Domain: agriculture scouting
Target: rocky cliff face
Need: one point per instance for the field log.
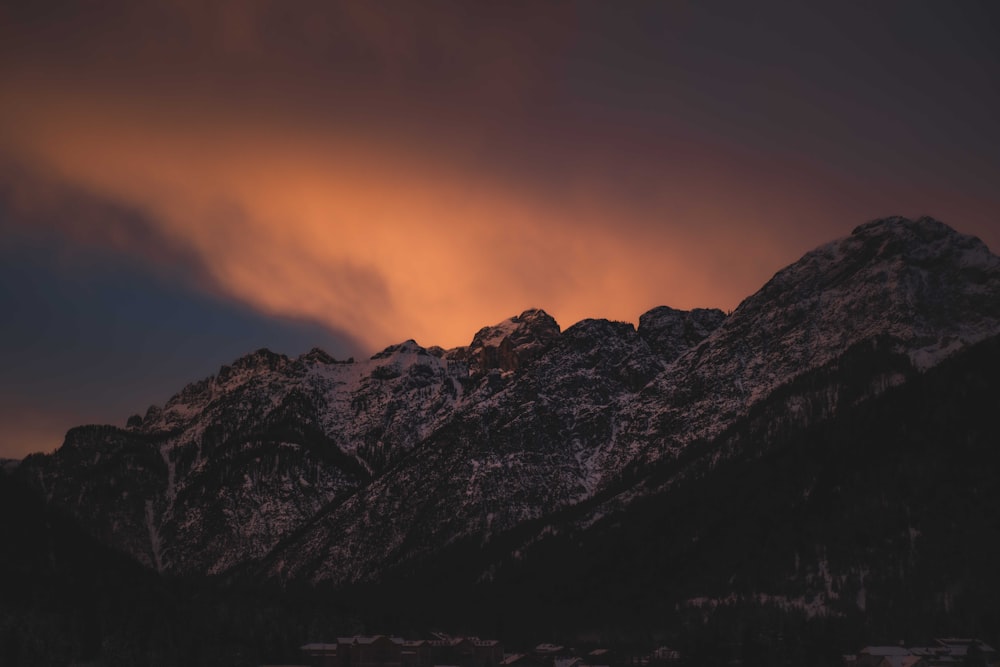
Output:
(312, 469)
(237, 461)
(917, 287)
(234, 462)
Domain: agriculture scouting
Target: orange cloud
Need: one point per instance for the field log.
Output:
(350, 166)
(369, 236)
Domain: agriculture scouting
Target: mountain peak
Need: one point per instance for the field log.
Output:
(260, 359)
(912, 241)
(925, 227)
(670, 331)
(408, 346)
(255, 362)
(317, 356)
(887, 257)
(918, 282)
(508, 345)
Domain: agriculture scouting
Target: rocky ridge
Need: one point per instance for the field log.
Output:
(239, 460)
(319, 470)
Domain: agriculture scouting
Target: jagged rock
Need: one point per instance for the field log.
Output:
(343, 472)
(513, 343)
(317, 356)
(671, 332)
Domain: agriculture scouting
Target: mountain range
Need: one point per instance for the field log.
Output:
(826, 451)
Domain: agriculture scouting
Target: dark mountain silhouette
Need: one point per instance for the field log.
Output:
(822, 460)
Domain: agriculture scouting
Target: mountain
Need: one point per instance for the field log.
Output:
(237, 461)
(602, 402)
(528, 453)
(881, 522)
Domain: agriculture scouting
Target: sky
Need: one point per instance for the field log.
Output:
(184, 182)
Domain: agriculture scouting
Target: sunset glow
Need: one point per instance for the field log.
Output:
(389, 172)
(371, 239)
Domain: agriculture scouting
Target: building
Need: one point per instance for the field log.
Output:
(875, 656)
(944, 652)
(521, 660)
(320, 655)
(384, 651)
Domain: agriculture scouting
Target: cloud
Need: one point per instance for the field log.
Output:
(346, 231)
(381, 233)
(419, 171)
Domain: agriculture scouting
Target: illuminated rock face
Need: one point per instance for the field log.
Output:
(322, 470)
(513, 343)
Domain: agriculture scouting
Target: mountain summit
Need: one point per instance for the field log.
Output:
(917, 288)
(512, 343)
(920, 282)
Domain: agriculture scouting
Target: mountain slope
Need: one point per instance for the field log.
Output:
(880, 522)
(912, 292)
(236, 462)
(233, 462)
(918, 284)
(322, 471)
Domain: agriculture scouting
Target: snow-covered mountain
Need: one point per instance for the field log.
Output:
(319, 470)
(917, 288)
(235, 462)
